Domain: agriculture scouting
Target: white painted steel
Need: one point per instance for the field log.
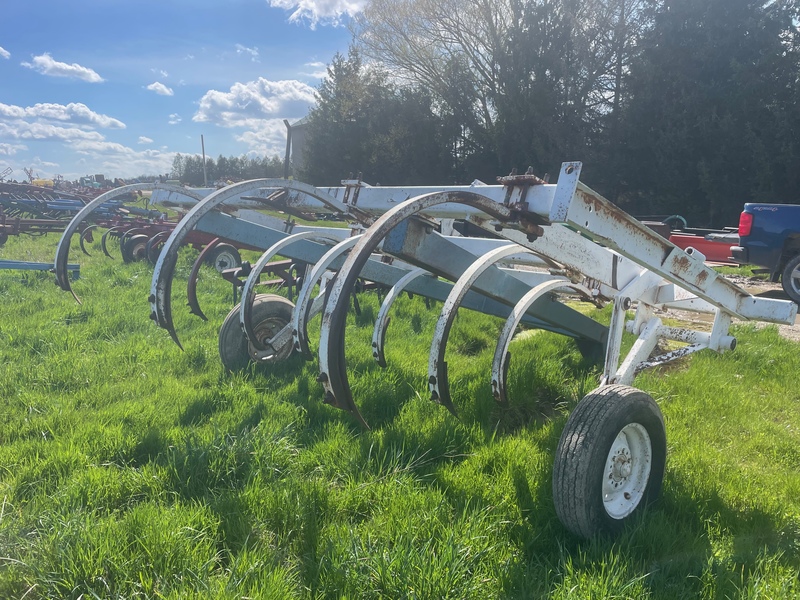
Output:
(627, 470)
(382, 322)
(501, 350)
(301, 313)
(436, 372)
(248, 290)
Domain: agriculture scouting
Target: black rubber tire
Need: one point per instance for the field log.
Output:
(582, 458)
(135, 248)
(790, 279)
(153, 249)
(270, 314)
(224, 256)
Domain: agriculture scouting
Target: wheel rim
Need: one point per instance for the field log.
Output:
(225, 260)
(139, 251)
(266, 330)
(627, 470)
(794, 279)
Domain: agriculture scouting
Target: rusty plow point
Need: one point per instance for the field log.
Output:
(191, 285)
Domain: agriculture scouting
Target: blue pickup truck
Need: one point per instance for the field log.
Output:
(769, 236)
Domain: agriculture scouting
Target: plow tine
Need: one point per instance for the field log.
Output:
(333, 371)
(62, 251)
(103, 244)
(191, 284)
(161, 287)
(382, 322)
(302, 314)
(438, 384)
(86, 233)
(248, 291)
(502, 356)
(152, 245)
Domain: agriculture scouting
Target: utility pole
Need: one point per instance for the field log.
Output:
(205, 175)
(288, 149)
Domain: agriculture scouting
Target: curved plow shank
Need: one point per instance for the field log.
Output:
(103, 240)
(62, 250)
(333, 371)
(437, 367)
(191, 285)
(382, 322)
(302, 314)
(502, 356)
(161, 287)
(248, 290)
(87, 233)
(154, 242)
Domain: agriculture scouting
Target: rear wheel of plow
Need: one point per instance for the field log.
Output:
(135, 248)
(225, 256)
(610, 460)
(790, 279)
(271, 313)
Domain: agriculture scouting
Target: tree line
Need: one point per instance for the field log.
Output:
(674, 106)
(188, 168)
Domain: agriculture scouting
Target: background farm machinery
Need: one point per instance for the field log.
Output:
(554, 245)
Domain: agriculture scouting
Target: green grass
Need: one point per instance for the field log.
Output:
(130, 469)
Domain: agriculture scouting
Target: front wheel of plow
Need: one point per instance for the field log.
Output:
(271, 313)
(610, 460)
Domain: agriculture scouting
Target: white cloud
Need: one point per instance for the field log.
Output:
(318, 70)
(160, 89)
(253, 52)
(258, 107)
(4, 53)
(255, 100)
(161, 72)
(22, 130)
(11, 149)
(265, 137)
(46, 65)
(174, 119)
(145, 140)
(75, 113)
(320, 11)
(121, 161)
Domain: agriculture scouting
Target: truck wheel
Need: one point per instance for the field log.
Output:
(271, 313)
(610, 460)
(790, 279)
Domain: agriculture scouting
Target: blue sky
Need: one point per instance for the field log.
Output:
(119, 86)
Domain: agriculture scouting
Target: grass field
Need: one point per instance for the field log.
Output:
(130, 469)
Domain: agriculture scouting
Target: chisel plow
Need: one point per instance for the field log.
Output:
(547, 246)
(140, 234)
